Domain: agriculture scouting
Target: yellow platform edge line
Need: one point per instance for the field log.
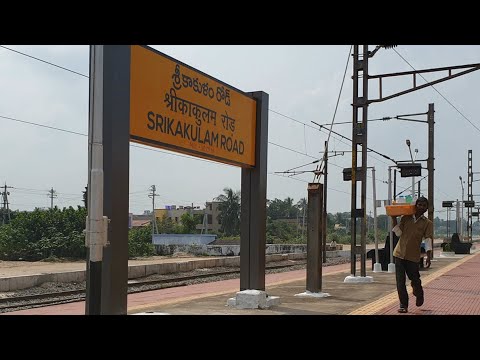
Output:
(391, 298)
(155, 305)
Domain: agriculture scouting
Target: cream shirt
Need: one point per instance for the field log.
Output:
(412, 231)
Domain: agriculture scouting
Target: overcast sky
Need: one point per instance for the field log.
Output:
(303, 83)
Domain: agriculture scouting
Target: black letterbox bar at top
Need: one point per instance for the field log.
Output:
(469, 203)
(410, 169)
(447, 203)
(347, 174)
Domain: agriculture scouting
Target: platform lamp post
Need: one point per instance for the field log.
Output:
(391, 264)
(377, 267)
(461, 208)
(413, 162)
(448, 205)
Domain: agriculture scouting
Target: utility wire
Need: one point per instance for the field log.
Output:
(73, 132)
(136, 146)
(45, 126)
(141, 147)
(49, 63)
(376, 152)
(319, 166)
(306, 125)
(328, 188)
(310, 163)
(471, 123)
(295, 151)
(86, 76)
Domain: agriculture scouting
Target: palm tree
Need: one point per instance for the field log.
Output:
(290, 210)
(229, 208)
(302, 207)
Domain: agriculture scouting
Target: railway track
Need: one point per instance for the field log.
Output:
(15, 303)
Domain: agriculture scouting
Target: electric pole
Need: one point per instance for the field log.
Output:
(154, 220)
(52, 194)
(461, 208)
(325, 214)
(6, 209)
(360, 73)
(359, 145)
(469, 196)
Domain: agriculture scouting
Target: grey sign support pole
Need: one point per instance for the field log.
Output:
(254, 201)
(111, 291)
(431, 167)
(314, 237)
(96, 231)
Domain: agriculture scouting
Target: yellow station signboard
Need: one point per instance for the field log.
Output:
(176, 107)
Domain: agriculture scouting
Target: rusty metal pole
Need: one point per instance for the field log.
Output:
(325, 212)
(253, 206)
(314, 237)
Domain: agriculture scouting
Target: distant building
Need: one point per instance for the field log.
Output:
(209, 215)
(140, 220)
(210, 218)
(140, 223)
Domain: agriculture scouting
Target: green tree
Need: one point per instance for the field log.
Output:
(275, 209)
(140, 242)
(166, 225)
(41, 234)
(85, 196)
(188, 223)
(229, 208)
(282, 209)
(281, 232)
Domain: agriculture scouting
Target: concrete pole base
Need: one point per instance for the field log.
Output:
(377, 267)
(312, 294)
(253, 299)
(391, 268)
(358, 279)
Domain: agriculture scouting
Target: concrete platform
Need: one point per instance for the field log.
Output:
(451, 286)
(16, 275)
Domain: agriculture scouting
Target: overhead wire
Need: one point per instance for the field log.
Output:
(448, 101)
(86, 76)
(319, 166)
(433, 87)
(284, 147)
(44, 61)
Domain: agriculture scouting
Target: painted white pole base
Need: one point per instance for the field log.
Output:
(358, 279)
(312, 294)
(377, 267)
(253, 299)
(391, 268)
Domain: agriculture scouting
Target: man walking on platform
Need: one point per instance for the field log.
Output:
(411, 230)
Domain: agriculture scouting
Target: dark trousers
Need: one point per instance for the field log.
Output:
(409, 268)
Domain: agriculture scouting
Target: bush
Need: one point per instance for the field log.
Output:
(40, 234)
(140, 242)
